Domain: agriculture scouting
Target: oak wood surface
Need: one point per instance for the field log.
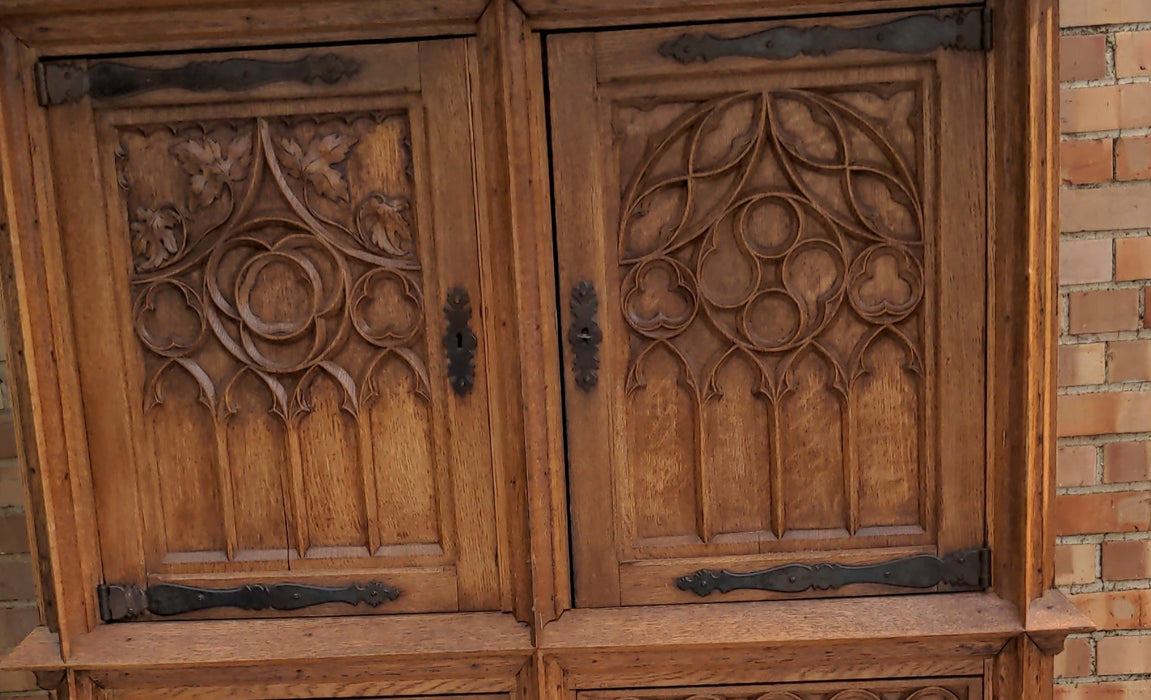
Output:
(767, 391)
(337, 422)
(566, 14)
(71, 28)
(496, 206)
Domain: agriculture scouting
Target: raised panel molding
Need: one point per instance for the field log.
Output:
(953, 689)
(785, 231)
(277, 272)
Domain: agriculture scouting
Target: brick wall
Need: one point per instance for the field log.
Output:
(17, 590)
(1103, 555)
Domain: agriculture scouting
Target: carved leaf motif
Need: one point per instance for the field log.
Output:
(211, 167)
(384, 222)
(158, 235)
(316, 165)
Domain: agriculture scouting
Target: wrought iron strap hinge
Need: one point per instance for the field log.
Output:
(960, 30)
(966, 570)
(120, 602)
(59, 82)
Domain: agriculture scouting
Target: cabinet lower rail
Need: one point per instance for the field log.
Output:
(120, 602)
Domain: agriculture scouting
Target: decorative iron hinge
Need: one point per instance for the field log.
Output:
(966, 570)
(960, 30)
(120, 602)
(58, 82)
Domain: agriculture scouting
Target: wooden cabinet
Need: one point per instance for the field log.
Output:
(398, 349)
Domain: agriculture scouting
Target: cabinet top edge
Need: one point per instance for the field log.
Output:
(100, 27)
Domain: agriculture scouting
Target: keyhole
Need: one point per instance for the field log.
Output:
(585, 334)
(459, 341)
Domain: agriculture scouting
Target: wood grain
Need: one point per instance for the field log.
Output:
(755, 283)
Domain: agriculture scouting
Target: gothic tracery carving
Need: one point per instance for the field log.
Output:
(827, 259)
(270, 264)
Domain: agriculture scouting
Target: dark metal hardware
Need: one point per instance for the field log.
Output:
(969, 569)
(126, 602)
(460, 342)
(585, 335)
(59, 82)
(961, 30)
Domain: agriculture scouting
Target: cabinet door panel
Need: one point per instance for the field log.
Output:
(920, 689)
(264, 349)
(787, 257)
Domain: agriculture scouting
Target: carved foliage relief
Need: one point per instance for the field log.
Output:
(772, 260)
(275, 264)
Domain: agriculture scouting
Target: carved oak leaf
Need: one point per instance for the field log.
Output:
(211, 167)
(385, 223)
(157, 236)
(316, 165)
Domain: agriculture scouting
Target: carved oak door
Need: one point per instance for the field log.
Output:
(776, 326)
(278, 316)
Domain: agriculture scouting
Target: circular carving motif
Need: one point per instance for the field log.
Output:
(885, 284)
(935, 693)
(286, 298)
(172, 301)
(661, 299)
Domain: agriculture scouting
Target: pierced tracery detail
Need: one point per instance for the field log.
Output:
(784, 231)
(827, 259)
(265, 265)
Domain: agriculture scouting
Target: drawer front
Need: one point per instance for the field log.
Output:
(780, 263)
(279, 323)
(921, 689)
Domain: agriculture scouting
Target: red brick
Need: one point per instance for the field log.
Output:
(1083, 57)
(11, 487)
(1088, 513)
(1086, 161)
(1090, 13)
(7, 438)
(1075, 661)
(1113, 208)
(1125, 462)
(1102, 414)
(1116, 610)
(1104, 311)
(1147, 307)
(1127, 561)
(14, 533)
(16, 579)
(1133, 258)
(1112, 690)
(1074, 564)
(1132, 54)
(1122, 655)
(1132, 158)
(1129, 361)
(1085, 261)
(1105, 107)
(15, 624)
(1076, 465)
(1081, 364)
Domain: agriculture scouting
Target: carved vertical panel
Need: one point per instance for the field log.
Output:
(278, 288)
(782, 230)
